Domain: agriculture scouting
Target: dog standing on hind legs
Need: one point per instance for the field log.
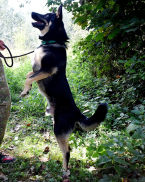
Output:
(49, 71)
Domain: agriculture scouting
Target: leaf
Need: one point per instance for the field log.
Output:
(136, 111)
(125, 27)
(132, 71)
(120, 144)
(134, 159)
(121, 61)
(132, 127)
(89, 148)
(89, 7)
(79, 19)
(117, 169)
(110, 153)
(101, 149)
(90, 151)
(134, 20)
(72, 137)
(114, 33)
(121, 114)
(29, 124)
(46, 150)
(131, 30)
(89, 37)
(124, 44)
(137, 135)
(95, 154)
(120, 161)
(106, 178)
(99, 37)
(109, 144)
(102, 160)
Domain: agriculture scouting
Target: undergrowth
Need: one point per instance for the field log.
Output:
(114, 152)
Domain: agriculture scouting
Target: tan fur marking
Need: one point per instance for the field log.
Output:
(29, 74)
(46, 29)
(39, 54)
(63, 144)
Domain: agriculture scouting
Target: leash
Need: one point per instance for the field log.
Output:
(11, 57)
(63, 43)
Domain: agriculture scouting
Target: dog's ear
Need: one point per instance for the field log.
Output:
(53, 11)
(59, 12)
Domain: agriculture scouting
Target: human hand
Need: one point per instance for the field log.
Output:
(2, 47)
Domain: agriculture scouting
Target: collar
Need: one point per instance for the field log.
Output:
(63, 43)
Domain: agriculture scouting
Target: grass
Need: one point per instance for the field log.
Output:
(29, 138)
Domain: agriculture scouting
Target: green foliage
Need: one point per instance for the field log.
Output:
(119, 144)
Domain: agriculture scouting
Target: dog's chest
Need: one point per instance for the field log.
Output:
(36, 62)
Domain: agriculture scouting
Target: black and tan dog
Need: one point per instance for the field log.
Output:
(49, 71)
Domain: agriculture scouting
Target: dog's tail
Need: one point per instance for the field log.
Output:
(94, 121)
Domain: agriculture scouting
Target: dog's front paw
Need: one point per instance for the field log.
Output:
(26, 91)
(23, 94)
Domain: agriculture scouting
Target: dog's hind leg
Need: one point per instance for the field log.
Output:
(63, 144)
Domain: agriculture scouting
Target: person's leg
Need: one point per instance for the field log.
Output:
(4, 115)
(5, 106)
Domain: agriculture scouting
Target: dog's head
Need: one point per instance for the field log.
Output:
(50, 25)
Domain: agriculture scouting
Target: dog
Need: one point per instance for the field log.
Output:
(49, 71)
